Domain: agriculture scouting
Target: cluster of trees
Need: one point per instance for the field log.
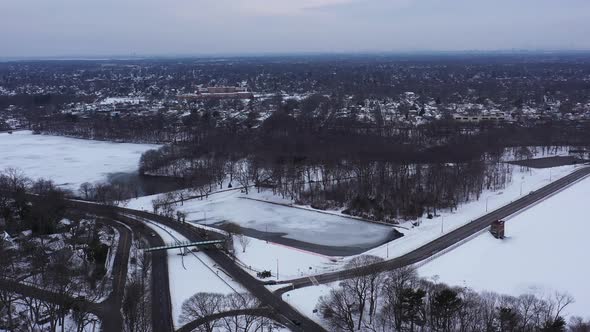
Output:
(144, 129)
(202, 305)
(381, 190)
(137, 299)
(385, 174)
(38, 315)
(64, 268)
(20, 210)
(108, 193)
(401, 301)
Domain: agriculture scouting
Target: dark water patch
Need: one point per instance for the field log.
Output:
(145, 185)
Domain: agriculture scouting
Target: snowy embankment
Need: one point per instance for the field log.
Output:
(545, 251)
(69, 162)
(290, 262)
(192, 273)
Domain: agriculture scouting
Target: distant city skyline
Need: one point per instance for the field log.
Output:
(62, 28)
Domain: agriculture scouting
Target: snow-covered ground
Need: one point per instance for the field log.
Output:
(545, 251)
(122, 100)
(192, 273)
(291, 262)
(301, 224)
(69, 162)
(523, 181)
(305, 300)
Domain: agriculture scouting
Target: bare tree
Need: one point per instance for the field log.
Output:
(338, 309)
(202, 305)
(134, 310)
(244, 241)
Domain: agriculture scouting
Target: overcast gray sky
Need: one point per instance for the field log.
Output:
(169, 27)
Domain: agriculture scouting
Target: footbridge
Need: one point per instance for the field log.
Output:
(185, 244)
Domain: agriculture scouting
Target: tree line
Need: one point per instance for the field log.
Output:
(399, 300)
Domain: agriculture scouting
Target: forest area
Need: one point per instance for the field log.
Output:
(380, 175)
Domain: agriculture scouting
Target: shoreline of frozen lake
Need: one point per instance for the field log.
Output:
(67, 161)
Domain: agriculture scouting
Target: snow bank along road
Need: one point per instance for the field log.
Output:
(285, 314)
(444, 241)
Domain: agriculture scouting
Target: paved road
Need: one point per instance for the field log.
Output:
(286, 314)
(258, 312)
(446, 240)
(160, 284)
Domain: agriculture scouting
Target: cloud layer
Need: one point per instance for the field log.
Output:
(122, 27)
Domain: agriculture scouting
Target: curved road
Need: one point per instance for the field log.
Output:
(287, 314)
(444, 241)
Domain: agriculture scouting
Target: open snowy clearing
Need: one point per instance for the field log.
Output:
(69, 162)
(290, 262)
(544, 252)
(191, 274)
(305, 300)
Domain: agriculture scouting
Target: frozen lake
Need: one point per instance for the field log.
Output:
(69, 162)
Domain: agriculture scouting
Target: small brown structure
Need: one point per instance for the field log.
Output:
(497, 229)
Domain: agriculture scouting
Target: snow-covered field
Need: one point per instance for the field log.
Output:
(191, 273)
(69, 162)
(305, 300)
(546, 250)
(291, 262)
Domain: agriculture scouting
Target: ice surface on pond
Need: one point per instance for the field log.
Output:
(301, 225)
(69, 162)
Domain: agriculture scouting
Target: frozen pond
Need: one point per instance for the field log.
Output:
(69, 162)
(321, 233)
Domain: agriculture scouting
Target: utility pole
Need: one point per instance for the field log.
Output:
(387, 250)
(277, 269)
(442, 225)
(521, 183)
(487, 203)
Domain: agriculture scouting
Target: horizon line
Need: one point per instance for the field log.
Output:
(147, 56)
